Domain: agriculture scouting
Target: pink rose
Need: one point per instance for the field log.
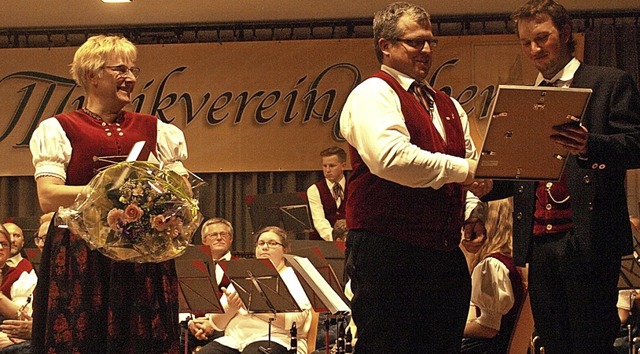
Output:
(159, 223)
(114, 218)
(132, 213)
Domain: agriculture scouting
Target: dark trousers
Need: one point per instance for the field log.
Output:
(407, 299)
(573, 301)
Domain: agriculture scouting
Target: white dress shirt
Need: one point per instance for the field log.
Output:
(320, 222)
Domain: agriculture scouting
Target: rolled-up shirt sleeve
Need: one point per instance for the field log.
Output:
(50, 150)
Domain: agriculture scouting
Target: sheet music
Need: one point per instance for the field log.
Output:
(331, 300)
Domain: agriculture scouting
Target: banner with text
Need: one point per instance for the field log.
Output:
(248, 106)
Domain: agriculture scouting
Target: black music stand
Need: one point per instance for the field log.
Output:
(317, 259)
(260, 288)
(323, 290)
(198, 289)
(289, 211)
(333, 252)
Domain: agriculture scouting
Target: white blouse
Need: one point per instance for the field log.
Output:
(244, 328)
(51, 149)
(491, 291)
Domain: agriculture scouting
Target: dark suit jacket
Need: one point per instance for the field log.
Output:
(596, 185)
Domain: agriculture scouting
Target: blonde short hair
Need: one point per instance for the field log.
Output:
(94, 53)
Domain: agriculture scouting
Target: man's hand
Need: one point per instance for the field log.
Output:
(474, 236)
(201, 328)
(480, 187)
(573, 137)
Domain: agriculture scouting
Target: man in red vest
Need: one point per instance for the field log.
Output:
(412, 157)
(327, 197)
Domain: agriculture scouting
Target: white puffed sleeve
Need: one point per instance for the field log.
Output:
(23, 288)
(491, 291)
(172, 147)
(50, 149)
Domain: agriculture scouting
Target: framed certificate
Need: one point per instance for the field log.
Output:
(517, 142)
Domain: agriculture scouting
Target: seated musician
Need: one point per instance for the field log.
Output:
(497, 291)
(246, 332)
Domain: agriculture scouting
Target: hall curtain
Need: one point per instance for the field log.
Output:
(617, 45)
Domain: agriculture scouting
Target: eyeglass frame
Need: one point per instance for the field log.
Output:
(271, 244)
(134, 70)
(415, 43)
(37, 238)
(216, 235)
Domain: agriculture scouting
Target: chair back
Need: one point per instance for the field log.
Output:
(523, 330)
(312, 334)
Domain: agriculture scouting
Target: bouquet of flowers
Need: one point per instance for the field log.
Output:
(136, 212)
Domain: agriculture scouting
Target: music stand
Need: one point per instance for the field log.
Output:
(289, 211)
(260, 288)
(333, 252)
(317, 259)
(326, 296)
(198, 289)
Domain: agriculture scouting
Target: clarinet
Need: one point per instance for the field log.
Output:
(340, 340)
(348, 348)
(294, 340)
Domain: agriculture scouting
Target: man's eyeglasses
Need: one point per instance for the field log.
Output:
(419, 43)
(123, 70)
(5, 245)
(215, 235)
(37, 239)
(270, 244)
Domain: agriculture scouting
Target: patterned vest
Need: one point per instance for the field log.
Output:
(421, 216)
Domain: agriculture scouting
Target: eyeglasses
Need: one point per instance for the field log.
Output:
(419, 43)
(215, 235)
(123, 70)
(5, 244)
(37, 239)
(270, 244)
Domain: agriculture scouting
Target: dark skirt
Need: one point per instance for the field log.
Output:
(86, 303)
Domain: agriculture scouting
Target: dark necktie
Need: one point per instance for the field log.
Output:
(420, 91)
(547, 83)
(338, 193)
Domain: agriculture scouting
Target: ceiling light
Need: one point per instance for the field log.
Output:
(117, 0)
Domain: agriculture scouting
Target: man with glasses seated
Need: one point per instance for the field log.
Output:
(217, 233)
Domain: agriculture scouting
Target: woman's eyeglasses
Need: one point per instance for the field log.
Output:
(270, 244)
(123, 70)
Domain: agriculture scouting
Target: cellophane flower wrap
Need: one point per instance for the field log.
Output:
(136, 212)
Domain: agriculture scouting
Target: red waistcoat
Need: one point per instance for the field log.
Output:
(331, 211)
(89, 137)
(421, 216)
